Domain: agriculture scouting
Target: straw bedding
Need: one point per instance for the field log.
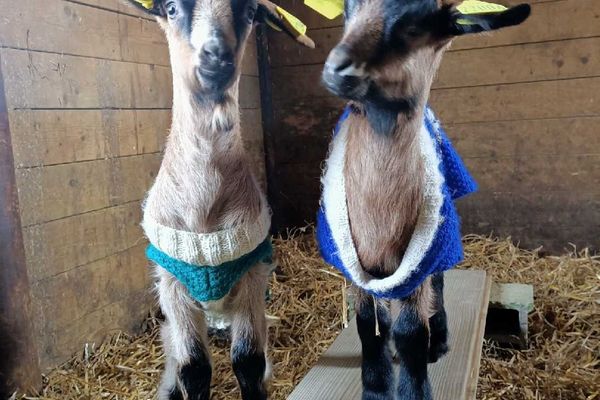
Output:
(563, 361)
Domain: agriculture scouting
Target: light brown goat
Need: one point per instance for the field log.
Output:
(385, 64)
(205, 188)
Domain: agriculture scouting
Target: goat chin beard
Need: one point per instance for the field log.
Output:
(224, 116)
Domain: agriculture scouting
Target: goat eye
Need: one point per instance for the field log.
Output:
(412, 32)
(171, 10)
(250, 13)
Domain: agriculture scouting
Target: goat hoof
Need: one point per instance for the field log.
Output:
(437, 351)
(377, 396)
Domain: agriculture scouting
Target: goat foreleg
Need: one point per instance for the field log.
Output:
(374, 330)
(249, 335)
(188, 368)
(438, 323)
(411, 336)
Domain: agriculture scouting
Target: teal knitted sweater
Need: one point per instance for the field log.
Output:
(210, 283)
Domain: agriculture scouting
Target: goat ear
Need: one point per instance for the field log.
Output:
(450, 22)
(280, 20)
(149, 6)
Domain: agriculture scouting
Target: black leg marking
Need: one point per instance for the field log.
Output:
(249, 366)
(412, 341)
(175, 394)
(195, 376)
(377, 374)
(438, 323)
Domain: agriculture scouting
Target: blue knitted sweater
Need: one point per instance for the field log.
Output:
(438, 246)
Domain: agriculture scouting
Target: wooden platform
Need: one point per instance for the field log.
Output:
(337, 374)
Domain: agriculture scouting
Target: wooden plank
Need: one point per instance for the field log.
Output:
(52, 25)
(37, 81)
(301, 135)
(549, 21)
(486, 210)
(291, 84)
(92, 329)
(114, 5)
(59, 246)
(19, 367)
(577, 173)
(152, 130)
(58, 191)
(284, 52)
(256, 156)
(550, 99)
(252, 135)
(48, 137)
(337, 373)
(117, 6)
(142, 40)
(49, 81)
(99, 33)
(555, 238)
(69, 189)
(67, 297)
(249, 92)
(251, 124)
(575, 58)
(250, 60)
(304, 128)
(477, 332)
(131, 177)
(554, 136)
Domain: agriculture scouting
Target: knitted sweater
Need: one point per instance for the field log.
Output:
(209, 264)
(436, 242)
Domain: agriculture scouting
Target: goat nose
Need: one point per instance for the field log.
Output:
(216, 52)
(338, 60)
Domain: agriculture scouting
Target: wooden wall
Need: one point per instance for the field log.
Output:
(88, 91)
(522, 106)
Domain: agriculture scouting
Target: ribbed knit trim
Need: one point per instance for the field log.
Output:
(209, 249)
(334, 202)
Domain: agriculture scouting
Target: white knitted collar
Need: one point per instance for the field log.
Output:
(208, 249)
(336, 214)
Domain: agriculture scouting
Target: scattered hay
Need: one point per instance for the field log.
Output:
(563, 359)
(563, 362)
(306, 299)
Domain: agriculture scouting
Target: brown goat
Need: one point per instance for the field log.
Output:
(385, 64)
(205, 190)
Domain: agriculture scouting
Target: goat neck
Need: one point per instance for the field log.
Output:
(384, 178)
(204, 183)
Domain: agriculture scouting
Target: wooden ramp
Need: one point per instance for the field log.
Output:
(337, 374)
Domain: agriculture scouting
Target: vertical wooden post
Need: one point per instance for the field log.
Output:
(266, 106)
(19, 364)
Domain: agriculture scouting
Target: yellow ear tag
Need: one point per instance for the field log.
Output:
(292, 21)
(330, 9)
(147, 4)
(478, 7)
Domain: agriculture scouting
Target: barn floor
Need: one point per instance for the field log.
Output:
(563, 361)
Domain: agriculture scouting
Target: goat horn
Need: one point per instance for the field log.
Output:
(283, 20)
